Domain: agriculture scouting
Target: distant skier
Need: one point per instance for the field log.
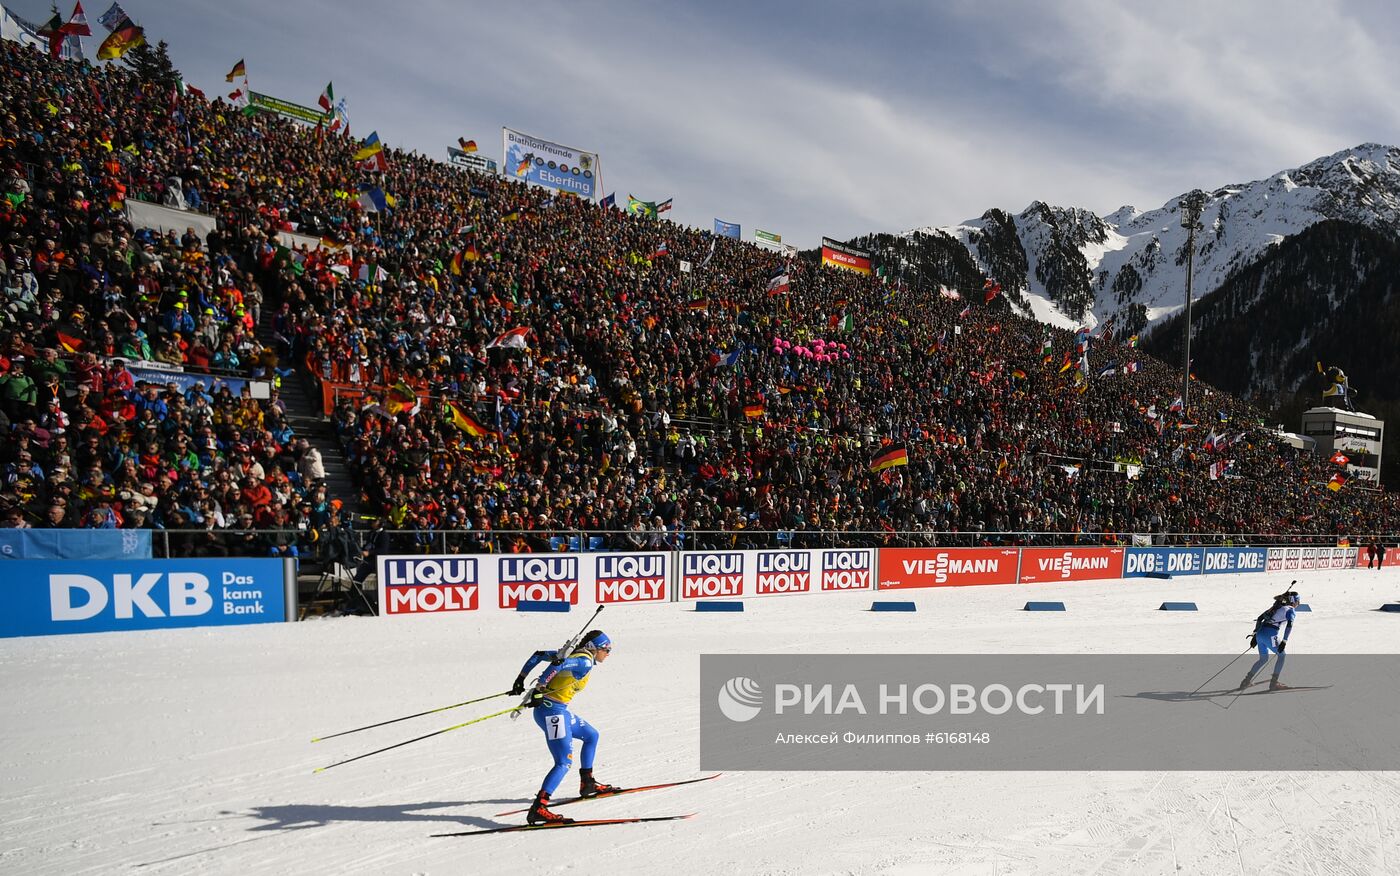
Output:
(555, 688)
(1266, 637)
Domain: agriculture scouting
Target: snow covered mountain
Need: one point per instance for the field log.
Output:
(1069, 267)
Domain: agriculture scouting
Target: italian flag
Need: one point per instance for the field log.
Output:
(327, 99)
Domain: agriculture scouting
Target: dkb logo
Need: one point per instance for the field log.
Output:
(741, 699)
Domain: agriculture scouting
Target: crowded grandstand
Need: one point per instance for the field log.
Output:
(510, 368)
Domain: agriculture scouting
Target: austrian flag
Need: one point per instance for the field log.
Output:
(514, 339)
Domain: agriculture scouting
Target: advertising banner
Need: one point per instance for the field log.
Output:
(628, 577)
(212, 382)
(732, 574)
(711, 574)
(48, 597)
(1070, 564)
(144, 214)
(285, 108)
(838, 255)
(1233, 560)
(768, 240)
(471, 161)
(902, 568)
(483, 582)
(552, 165)
(727, 229)
(1142, 562)
(85, 544)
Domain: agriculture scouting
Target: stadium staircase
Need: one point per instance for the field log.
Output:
(306, 417)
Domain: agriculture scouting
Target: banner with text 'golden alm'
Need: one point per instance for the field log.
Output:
(555, 166)
(838, 255)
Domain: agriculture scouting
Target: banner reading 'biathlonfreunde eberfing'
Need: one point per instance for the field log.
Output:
(838, 255)
(565, 168)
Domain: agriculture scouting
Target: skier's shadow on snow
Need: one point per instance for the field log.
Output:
(1216, 696)
(312, 815)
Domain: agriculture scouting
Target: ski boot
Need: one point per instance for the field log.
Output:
(590, 787)
(1248, 680)
(539, 812)
(1275, 684)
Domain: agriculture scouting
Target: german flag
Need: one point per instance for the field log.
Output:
(69, 343)
(239, 69)
(889, 457)
(1018, 374)
(1337, 481)
(464, 421)
(698, 304)
(400, 397)
(1069, 363)
(754, 410)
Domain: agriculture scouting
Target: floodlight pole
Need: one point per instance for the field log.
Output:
(1191, 205)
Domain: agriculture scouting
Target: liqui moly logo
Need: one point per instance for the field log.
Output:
(417, 586)
(783, 572)
(538, 579)
(847, 570)
(631, 578)
(1067, 564)
(712, 574)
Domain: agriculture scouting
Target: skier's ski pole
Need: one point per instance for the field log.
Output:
(1223, 668)
(406, 717)
(560, 655)
(417, 739)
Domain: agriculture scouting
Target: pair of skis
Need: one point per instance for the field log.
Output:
(587, 822)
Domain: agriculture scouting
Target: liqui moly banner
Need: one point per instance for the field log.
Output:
(838, 255)
(733, 574)
(419, 585)
(628, 577)
(902, 568)
(1039, 565)
(710, 574)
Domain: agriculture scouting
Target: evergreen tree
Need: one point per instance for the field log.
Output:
(152, 65)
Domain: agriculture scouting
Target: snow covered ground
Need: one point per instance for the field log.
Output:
(175, 752)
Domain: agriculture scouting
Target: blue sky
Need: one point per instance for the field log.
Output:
(830, 118)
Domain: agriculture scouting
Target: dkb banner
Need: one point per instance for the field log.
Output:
(1047, 712)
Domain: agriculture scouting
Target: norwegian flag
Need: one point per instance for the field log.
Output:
(779, 284)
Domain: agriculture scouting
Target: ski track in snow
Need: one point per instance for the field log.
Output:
(175, 752)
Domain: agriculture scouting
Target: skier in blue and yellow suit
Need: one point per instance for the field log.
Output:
(554, 690)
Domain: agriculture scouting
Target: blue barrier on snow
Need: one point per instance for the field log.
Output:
(1391, 606)
(712, 605)
(1044, 606)
(1178, 606)
(1303, 607)
(541, 605)
(888, 605)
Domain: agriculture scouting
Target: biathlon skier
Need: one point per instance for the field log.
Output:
(1266, 637)
(565, 676)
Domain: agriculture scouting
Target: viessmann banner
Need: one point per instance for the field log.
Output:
(47, 597)
(902, 568)
(550, 164)
(1070, 564)
(838, 255)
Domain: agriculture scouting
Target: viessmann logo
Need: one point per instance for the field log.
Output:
(1067, 564)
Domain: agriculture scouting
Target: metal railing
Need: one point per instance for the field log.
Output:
(346, 545)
